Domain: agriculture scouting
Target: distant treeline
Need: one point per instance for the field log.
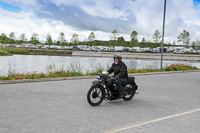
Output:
(115, 40)
(118, 42)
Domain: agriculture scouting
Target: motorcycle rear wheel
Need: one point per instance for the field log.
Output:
(129, 92)
(95, 96)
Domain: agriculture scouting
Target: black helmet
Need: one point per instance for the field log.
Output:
(119, 57)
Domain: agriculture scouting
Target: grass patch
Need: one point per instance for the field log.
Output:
(172, 67)
(23, 51)
(15, 50)
(4, 53)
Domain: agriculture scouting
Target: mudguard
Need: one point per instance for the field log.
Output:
(99, 85)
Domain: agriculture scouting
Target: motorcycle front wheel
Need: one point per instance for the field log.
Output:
(95, 96)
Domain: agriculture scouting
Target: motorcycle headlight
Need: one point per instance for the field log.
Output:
(98, 76)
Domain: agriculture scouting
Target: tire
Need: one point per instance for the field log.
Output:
(129, 92)
(95, 95)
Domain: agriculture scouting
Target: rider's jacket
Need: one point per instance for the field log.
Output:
(120, 70)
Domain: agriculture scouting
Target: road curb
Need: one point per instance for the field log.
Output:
(83, 77)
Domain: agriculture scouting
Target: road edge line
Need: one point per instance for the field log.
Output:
(152, 121)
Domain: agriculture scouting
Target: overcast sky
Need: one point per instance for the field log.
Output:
(99, 16)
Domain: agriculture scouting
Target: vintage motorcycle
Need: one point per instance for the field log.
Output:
(105, 89)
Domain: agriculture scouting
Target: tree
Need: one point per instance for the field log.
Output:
(184, 37)
(3, 38)
(169, 43)
(134, 43)
(196, 44)
(12, 35)
(12, 38)
(143, 40)
(22, 38)
(114, 35)
(62, 38)
(174, 43)
(134, 35)
(91, 37)
(34, 39)
(144, 43)
(134, 40)
(156, 36)
(74, 38)
(3, 34)
(121, 41)
(49, 39)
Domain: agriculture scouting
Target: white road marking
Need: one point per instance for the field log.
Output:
(152, 121)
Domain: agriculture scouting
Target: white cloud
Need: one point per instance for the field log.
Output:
(105, 10)
(26, 24)
(101, 17)
(65, 2)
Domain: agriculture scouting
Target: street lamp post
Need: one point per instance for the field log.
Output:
(163, 36)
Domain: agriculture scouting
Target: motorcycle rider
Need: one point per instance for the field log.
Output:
(120, 73)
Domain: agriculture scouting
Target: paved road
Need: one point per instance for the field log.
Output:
(166, 103)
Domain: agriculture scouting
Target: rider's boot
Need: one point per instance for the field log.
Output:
(121, 96)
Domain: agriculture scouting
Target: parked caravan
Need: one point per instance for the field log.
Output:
(119, 48)
(28, 45)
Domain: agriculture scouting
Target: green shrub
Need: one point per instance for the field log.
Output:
(168, 68)
(131, 71)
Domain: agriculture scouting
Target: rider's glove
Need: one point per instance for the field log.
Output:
(109, 80)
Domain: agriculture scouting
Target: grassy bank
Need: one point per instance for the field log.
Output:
(4, 53)
(23, 51)
(75, 70)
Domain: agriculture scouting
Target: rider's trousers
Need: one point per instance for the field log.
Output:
(119, 82)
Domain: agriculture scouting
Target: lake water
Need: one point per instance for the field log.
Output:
(40, 63)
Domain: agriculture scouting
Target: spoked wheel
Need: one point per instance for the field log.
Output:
(95, 96)
(129, 92)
